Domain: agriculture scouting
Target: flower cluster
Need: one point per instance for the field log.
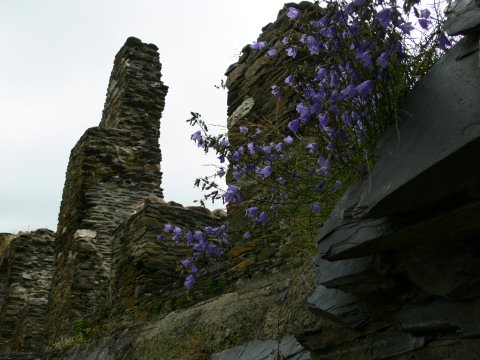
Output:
(346, 65)
(206, 244)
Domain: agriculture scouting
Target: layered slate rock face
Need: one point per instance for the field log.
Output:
(146, 274)
(250, 102)
(398, 266)
(286, 348)
(112, 169)
(250, 80)
(26, 268)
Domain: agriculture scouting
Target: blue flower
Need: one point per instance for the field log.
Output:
(230, 194)
(316, 208)
(384, 59)
(321, 73)
(425, 13)
(424, 23)
(364, 58)
(272, 52)
(304, 111)
(266, 172)
(263, 217)
(252, 212)
(258, 45)
(276, 91)
(312, 147)
(288, 140)
(243, 129)
(198, 235)
(221, 172)
(313, 45)
(189, 238)
(160, 237)
(294, 125)
(169, 227)
(177, 230)
(384, 17)
(323, 120)
(189, 281)
(348, 91)
(293, 13)
(443, 42)
(246, 235)
(224, 143)
(186, 262)
(333, 79)
(251, 148)
(289, 80)
(406, 27)
(292, 51)
(196, 135)
(364, 88)
(235, 156)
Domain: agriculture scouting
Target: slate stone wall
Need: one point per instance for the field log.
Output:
(112, 169)
(250, 102)
(146, 276)
(26, 268)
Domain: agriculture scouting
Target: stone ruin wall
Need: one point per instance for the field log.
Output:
(250, 102)
(145, 278)
(113, 177)
(111, 170)
(26, 266)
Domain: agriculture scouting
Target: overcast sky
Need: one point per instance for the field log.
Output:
(55, 64)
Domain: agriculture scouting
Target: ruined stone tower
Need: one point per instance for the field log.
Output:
(112, 169)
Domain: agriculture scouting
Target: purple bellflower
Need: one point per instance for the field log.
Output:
(292, 51)
(258, 45)
(294, 125)
(293, 13)
(272, 52)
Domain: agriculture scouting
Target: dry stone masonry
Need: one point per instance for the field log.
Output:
(111, 170)
(145, 273)
(26, 268)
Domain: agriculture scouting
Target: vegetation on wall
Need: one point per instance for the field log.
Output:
(349, 64)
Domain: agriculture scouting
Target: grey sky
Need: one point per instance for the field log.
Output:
(56, 61)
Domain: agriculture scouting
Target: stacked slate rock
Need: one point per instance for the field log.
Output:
(26, 268)
(286, 348)
(398, 269)
(145, 273)
(112, 169)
